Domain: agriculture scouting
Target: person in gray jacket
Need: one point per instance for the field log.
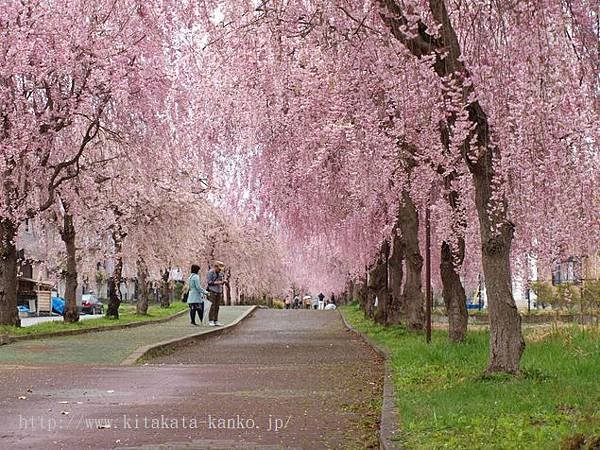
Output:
(196, 295)
(215, 279)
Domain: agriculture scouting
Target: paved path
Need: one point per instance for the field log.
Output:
(29, 321)
(105, 347)
(280, 379)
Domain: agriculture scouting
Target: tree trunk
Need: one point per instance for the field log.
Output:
(349, 294)
(227, 290)
(506, 339)
(9, 314)
(369, 297)
(68, 236)
(454, 295)
(396, 308)
(361, 294)
(378, 284)
(452, 255)
(226, 296)
(354, 295)
(114, 281)
(142, 276)
(165, 290)
(114, 289)
(412, 295)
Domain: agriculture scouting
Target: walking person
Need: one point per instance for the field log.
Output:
(215, 280)
(196, 294)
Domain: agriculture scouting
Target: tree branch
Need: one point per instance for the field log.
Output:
(56, 179)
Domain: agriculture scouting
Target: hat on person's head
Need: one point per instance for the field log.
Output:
(220, 264)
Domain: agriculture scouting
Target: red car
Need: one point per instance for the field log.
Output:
(90, 304)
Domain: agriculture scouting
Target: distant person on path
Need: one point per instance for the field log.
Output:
(332, 299)
(314, 302)
(196, 295)
(321, 301)
(215, 280)
(308, 301)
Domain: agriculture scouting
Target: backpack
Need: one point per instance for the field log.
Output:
(185, 292)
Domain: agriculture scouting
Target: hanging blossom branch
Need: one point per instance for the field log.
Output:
(57, 179)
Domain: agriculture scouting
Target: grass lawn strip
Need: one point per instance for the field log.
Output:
(445, 402)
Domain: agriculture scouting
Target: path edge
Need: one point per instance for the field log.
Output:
(388, 428)
(148, 350)
(28, 337)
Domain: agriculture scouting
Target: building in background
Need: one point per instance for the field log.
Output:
(576, 270)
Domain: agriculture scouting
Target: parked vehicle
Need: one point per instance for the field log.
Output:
(90, 304)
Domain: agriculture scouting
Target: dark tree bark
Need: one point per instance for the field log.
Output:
(454, 295)
(412, 295)
(506, 339)
(227, 290)
(226, 295)
(165, 290)
(114, 281)
(114, 289)
(68, 236)
(9, 314)
(396, 308)
(237, 295)
(349, 294)
(143, 294)
(361, 294)
(378, 284)
(370, 294)
(452, 257)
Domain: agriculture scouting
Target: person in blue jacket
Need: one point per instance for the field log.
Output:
(196, 295)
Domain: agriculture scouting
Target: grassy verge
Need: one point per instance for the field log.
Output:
(445, 402)
(126, 315)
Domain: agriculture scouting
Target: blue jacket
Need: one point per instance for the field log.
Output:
(197, 292)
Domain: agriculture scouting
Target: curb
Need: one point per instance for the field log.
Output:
(388, 427)
(28, 337)
(148, 351)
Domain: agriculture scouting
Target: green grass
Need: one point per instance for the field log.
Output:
(126, 315)
(445, 401)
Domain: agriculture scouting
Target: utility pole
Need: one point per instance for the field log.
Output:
(428, 300)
